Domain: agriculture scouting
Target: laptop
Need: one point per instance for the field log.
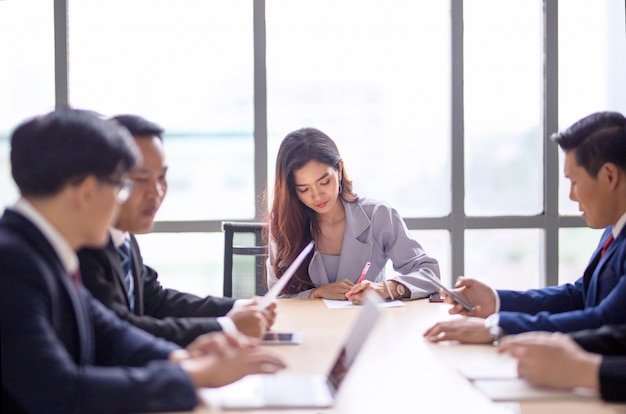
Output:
(271, 295)
(297, 391)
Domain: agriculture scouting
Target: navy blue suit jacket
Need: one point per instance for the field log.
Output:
(176, 316)
(63, 351)
(610, 341)
(597, 298)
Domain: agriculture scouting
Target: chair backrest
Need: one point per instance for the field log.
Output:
(244, 259)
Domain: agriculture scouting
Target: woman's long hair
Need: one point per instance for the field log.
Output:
(291, 224)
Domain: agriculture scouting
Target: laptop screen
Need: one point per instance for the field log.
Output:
(355, 340)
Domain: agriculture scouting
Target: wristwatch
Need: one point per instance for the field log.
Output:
(492, 323)
(400, 289)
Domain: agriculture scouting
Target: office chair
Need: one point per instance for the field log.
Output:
(244, 261)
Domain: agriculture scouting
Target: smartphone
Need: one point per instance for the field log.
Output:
(281, 338)
(468, 306)
(435, 297)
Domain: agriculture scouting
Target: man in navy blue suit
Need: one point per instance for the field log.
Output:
(595, 164)
(62, 350)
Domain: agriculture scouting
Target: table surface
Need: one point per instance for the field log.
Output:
(397, 370)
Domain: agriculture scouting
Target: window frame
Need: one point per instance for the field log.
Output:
(457, 222)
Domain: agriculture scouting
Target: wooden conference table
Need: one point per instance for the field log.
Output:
(397, 371)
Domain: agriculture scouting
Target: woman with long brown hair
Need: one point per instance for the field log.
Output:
(314, 200)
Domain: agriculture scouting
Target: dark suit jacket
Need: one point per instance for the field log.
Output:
(62, 351)
(609, 341)
(166, 313)
(597, 298)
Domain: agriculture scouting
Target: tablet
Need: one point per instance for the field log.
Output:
(273, 293)
(432, 279)
(281, 338)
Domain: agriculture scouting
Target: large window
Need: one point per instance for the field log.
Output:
(26, 74)
(502, 89)
(374, 76)
(438, 107)
(186, 65)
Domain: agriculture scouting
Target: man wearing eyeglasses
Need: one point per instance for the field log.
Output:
(117, 276)
(62, 350)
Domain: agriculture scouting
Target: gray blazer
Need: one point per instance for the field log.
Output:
(375, 232)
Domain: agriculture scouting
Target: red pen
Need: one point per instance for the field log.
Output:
(364, 272)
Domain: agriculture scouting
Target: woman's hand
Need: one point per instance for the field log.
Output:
(335, 291)
(358, 292)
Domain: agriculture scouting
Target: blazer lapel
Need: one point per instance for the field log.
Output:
(114, 258)
(85, 330)
(590, 281)
(137, 269)
(356, 248)
(593, 274)
(39, 241)
(317, 271)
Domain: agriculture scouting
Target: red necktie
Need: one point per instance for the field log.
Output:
(76, 278)
(606, 245)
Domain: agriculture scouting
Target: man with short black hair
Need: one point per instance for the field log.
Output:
(134, 293)
(595, 164)
(63, 351)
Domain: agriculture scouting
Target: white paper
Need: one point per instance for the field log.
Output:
(488, 366)
(520, 390)
(346, 304)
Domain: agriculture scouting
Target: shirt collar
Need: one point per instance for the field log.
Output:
(118, 236)
(617, 229)
(66, 254)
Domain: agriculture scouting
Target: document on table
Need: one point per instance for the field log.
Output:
(346, 304)
(520, 390)
(488, 366)
(495, 375)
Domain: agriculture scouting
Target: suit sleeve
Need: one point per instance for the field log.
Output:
(610, 341)
(40, 375)
(406, 254)
(607, 340)
(613, 378)
(597, 298)
(563, 310)
(174, 316)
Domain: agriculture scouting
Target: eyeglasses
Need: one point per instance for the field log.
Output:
(124, 187)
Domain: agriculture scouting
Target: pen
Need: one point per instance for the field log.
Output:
(364, 272)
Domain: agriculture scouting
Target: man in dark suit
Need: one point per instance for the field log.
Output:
(595, 164)
(63, 351)
(594, 359)
(138, 297)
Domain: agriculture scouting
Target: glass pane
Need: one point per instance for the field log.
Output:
(592, 64)
(576, 245)
(375, 77)
(188, 262)
(26, 74)
(187, 65)
(505, 259)
(503, 147)
(436, 243)
(567, 207)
